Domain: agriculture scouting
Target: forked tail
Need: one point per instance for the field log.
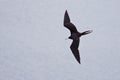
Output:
(86, 32)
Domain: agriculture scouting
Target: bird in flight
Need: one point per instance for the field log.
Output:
(75, 35)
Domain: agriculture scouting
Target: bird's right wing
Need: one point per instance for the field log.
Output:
(68, 24)
(74, 48)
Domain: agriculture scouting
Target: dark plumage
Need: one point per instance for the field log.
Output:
(75, 35)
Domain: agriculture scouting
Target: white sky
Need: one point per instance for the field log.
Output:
(33, 45)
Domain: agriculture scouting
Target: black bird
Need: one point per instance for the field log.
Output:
(75, 35)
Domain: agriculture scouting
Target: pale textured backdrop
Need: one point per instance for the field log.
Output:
(33, 45)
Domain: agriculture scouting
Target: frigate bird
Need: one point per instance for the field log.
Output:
(75, 35)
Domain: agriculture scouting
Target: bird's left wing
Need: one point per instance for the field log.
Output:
(67, 23)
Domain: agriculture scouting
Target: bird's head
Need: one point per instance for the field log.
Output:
(70, 37)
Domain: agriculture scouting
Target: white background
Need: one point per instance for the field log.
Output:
(33, 45)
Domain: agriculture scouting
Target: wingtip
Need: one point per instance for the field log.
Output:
(66, 11)
(66, 18)
(79, 62)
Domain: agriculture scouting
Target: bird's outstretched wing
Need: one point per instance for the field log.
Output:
(86, 32)
(67, 23)
(74, 48)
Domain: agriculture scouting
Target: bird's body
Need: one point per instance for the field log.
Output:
(75, 35)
